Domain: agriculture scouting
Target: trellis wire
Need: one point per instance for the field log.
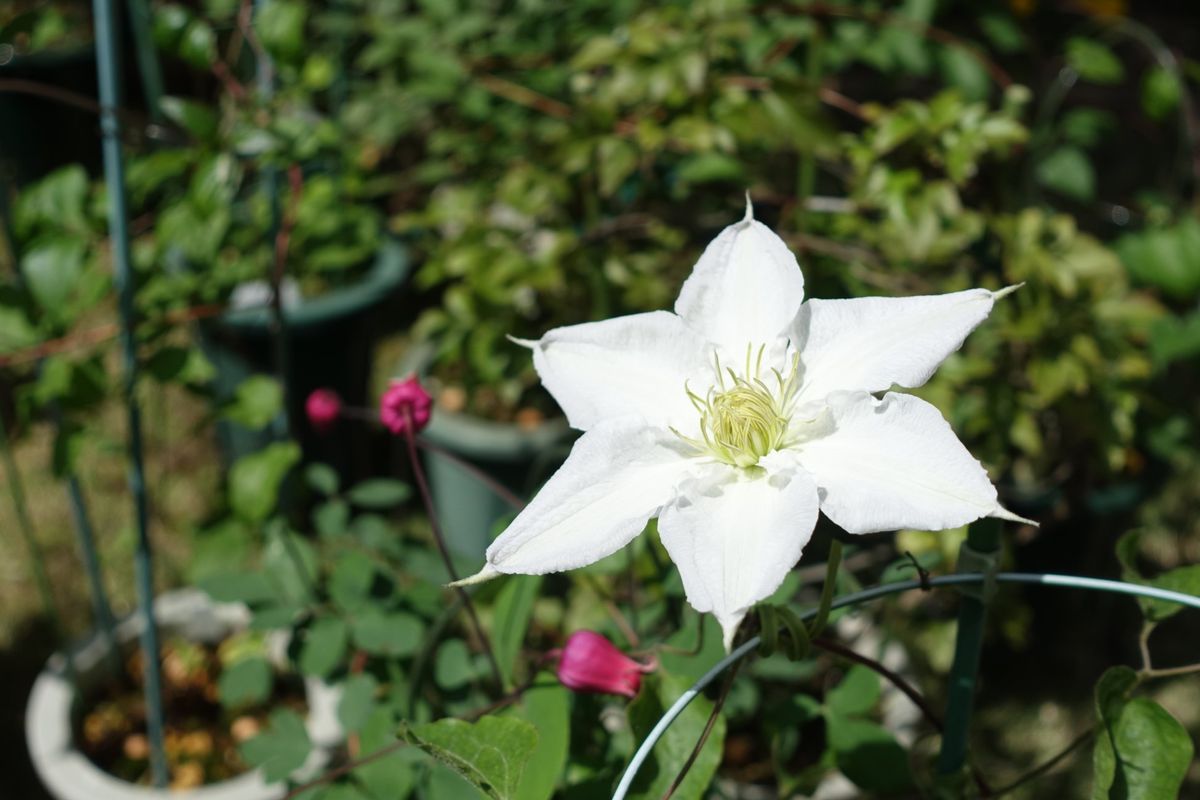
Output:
(118, 220)
(1047, 579)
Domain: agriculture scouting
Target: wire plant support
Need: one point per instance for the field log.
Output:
(108, 71)
(970, 579)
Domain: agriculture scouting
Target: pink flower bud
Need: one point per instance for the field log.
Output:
(402, 401)
(323, 407)
(591, 663)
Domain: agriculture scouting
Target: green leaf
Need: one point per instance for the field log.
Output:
(58, 202)
(198, 45)
(1086, 127)
(514, 606)
(281, 749)
(1094, 61)
(1185, 579)
(546, 706)
(490, 753)
(245, 682)
(856, 695)
(658, 692)
(332, 518)
(452, 666)
(291, 562)
(52, 270)
(322, 478)
(358, 701)
(395, 634)
(324, 647)
(1161, 91)
(197, 119)
(239, 587)
(1068, 171)
(254, 480)
(1141, 751)
(168, 363)
(280, 26)
(352, 580)
(379, 493)
(389, 777)
(16, 331)
(869, 755)
(256, 402)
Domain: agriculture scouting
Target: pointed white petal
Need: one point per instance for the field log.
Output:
(626, 365)
(617, 476)
(871, 343)
(483, 576)
(895, 463)
(735, 543)
(1001, 512)
(745, 288)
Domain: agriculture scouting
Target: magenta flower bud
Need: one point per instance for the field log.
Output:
(405, 400)
(591, 663)
(323, 408)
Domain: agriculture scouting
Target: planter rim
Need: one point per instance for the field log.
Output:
(390, 269)
(68, 774)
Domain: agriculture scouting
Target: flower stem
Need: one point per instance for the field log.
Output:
(832, 563)
(426, 498)
(708, 726)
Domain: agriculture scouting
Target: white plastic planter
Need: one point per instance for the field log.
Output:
(69, 775)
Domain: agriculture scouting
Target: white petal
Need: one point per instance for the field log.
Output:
(895, 463)
(627, 365)
(617, 476)
(735, 543)
(871, 343)
(745, 289)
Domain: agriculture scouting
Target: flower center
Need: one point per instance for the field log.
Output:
(743, 418)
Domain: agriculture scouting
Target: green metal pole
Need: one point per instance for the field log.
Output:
(980, 553)
(114, 173)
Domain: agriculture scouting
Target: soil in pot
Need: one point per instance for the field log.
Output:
(202, 734)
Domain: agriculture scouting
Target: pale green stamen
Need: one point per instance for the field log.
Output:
(744, 419)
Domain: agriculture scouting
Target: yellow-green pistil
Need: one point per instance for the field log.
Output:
(743, 419)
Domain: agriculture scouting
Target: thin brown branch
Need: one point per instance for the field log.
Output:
(1169, 672)
(499, 489)
(708, 726)
(842, 651)
(440, 540)
(1046, 766)
(101, 333)
(524, 96)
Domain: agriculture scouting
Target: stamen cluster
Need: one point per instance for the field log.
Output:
(742, 418)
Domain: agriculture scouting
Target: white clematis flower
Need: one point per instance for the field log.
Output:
(734, 419)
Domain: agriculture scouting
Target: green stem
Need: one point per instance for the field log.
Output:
(983, 547)
(108, 71)
(832, 563)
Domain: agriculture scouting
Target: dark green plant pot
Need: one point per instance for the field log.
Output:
(519, 458)
(331, 339)
(38, 133)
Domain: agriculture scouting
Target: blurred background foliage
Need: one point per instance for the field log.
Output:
(552, 163)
